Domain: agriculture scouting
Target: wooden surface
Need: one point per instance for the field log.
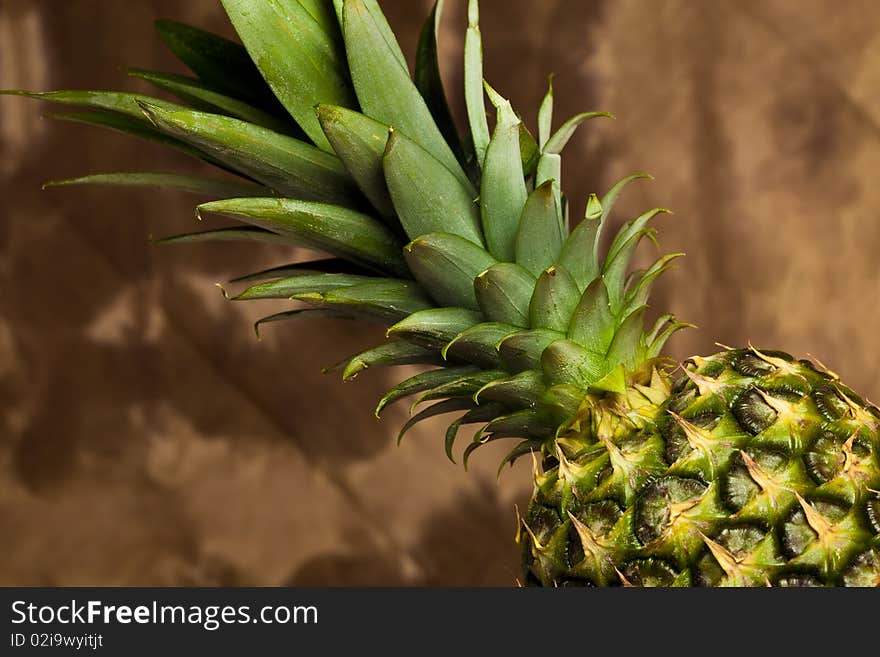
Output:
(146, 437)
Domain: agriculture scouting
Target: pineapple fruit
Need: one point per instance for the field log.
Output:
(743, 468)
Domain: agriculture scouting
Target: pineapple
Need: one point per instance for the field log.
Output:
(742, 468)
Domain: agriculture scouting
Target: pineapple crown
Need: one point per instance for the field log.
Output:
(462, 247)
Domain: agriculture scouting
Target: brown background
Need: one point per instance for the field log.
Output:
(147, 438)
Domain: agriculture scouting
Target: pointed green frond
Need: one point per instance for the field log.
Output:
(538, 238)
(561, 137)
(623, 239)
(616, 264)
(594, 207)
(384, 88)
(308, 267)
(478, 344)
(607, 205)
(529, 446)
(564, 399)
(463, 386)
(391, 298)
(550, 168)
(613, 381)
(324, 15)
(555, 297)
(286, 165)
(430, 84)
(440, 408)
(638, 294)
(338, 6)
(435, 327)
(135, 128)
(215, 187)
(303, 282)
(529, 153)
(427, 196)
(658, 338)
(592, 323)
(389, 354)
(482, 413)
(504, 292)
(446, 266)
(473, 83)
(628, 347)
(201, 96)
(223, 64)
(565, 361)
(302, 64)
(528, 423)
(313, 313)
(578, 255)
(232, 234)
(345, 233)
(545, 116)
(521, 390)
(360, 142)
(421, 382)
(502, 190)
(522, 350)
(118, 102)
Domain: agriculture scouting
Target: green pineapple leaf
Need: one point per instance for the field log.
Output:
(466, 386)
(220, 63)
(504, 292)
(390, 297)
(554, 299)
(435, 327)
(446, 266)
(384, 88)
(389, 353)
(592, 323)
(325, 266)
(201, 96)
(430, 85)
(427, 196)
(345, 233)
(482, 413)
(135, 128)
(302, 64)
(538, 239)
(118, 102)
(545, 116)
(305, 281)
(503, 190)
(565, 361)
(562, 136)
(232, 234)
(520, 390)
(522, 350)
(314, 313)
(440, 408)
(478, 344)
(421, 382)
(286, 165)
(360, 143)
(215, 187)
(473, 83)
(617, 262)
(627, 347)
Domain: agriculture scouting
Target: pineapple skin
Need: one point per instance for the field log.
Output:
(749, 469)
